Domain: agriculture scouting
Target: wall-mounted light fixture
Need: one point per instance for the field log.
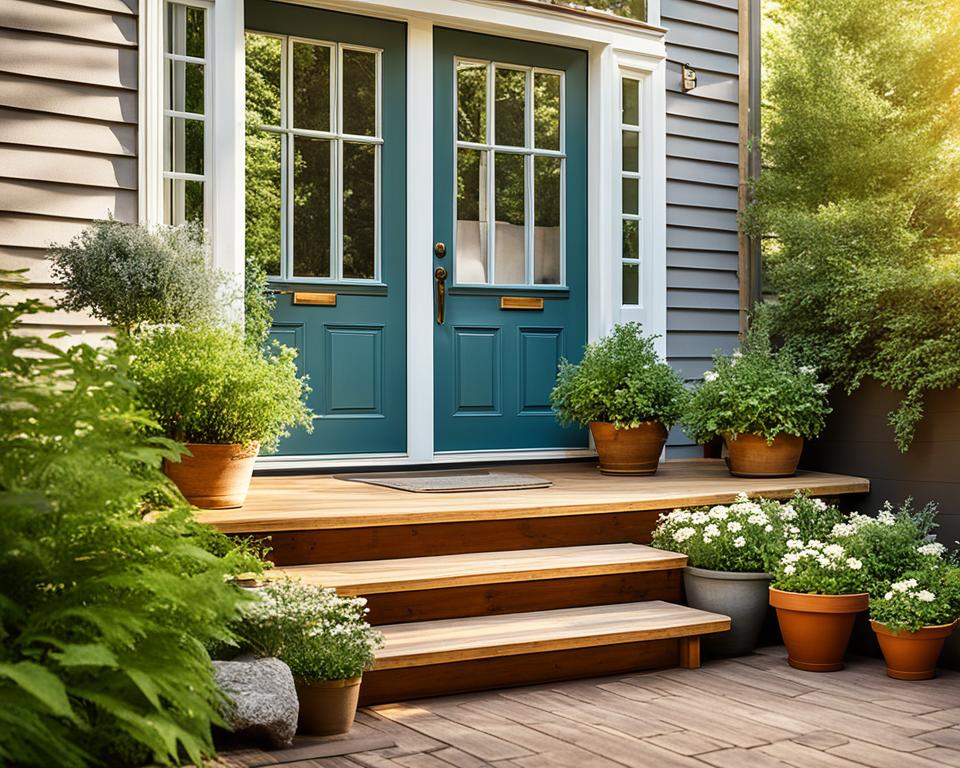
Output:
(688, 78)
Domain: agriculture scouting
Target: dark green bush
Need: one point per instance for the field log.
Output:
(204, 384)
(859, 199)
(109, 590)
(620, 380)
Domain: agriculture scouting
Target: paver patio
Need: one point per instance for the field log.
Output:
(749, 712)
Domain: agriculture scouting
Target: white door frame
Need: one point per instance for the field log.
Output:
(612, 45)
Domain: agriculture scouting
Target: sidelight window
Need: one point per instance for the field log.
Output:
(313, 158)
(630, 198)
(187, 128)
(510, 167)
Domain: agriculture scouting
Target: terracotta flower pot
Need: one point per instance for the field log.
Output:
(215, 476)
(630, 451)
(750, 456)
(912, 655)
(816, 628)
(327, 706)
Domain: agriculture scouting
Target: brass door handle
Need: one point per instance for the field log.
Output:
(441, 275)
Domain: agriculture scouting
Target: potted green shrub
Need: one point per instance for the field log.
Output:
(324, 639)
(762, 403)
(225, 398)
(626, 395)
(915, 616)
(729, 549)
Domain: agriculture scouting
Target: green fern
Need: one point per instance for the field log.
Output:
(110, 592)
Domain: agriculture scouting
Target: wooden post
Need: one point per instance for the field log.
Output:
(689, 652)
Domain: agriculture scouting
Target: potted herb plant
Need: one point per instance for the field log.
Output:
(728, 549)
(324, 639)
(227, 399)
(762, 403)
(627, 396)
(914, 618)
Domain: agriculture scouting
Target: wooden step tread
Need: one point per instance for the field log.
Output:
(445, 571)
(322, 502)
(484, 637)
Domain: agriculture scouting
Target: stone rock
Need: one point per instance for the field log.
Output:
(263, 699)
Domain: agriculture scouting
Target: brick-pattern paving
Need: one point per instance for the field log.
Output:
(749, 712)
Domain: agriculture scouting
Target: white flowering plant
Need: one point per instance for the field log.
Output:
(745, 536)
(891, 543)
(757, 391)
(819, 567)
(317, 633)
(919, 599)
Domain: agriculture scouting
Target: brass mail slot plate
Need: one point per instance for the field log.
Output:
(521, 302)
(316, 299)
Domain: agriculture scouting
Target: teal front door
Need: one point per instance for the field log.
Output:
(326, 213)
(510, 210)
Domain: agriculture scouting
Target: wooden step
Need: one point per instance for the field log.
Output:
(448, 571)
(456, 655)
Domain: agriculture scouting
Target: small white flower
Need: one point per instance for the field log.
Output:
(926, 596)
(758, 518)
(819, 504)
(822, 388)
(934, 548)
(719, 513)
(710, 376)
(808, 369)
(699, 518)
(768, 528)
(711, 530)
(682, 534)
(903, 586)
(843, 529)
(737, 354)
(789, 569)
(739, 542)
(794, 544)
(707, 540)
(833, 550)
(888, 595)
(734, 526)
(854, 564)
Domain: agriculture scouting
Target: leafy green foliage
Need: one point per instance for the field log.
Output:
(105, 610)
(757, 391)
(319, 635)
(920, 598)
(859, 199)
(620, 380)
(129, 275)
(204, 384)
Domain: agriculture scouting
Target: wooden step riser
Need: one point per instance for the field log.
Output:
(522, 596)
(391, 685)
(339, 545)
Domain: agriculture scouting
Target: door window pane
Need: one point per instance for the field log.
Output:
(631, 151)
(311, 86)
(359, 92)
(311, 208)
(510, 89)
(183, 143)
(185, 30)
(263, 56)
(472, 102)
(630, 95)
(184, 87)
(631, 284)
(359, 206)
(263, 199)
(631, 196)
(471, 234)
(546, 110)
(510, 236)
(182, 201)
(631, 239)
(546, 231)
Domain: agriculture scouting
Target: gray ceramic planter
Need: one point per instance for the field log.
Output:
(744, 597)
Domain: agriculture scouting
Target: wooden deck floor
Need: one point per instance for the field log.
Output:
(312, 502)
(752, 712)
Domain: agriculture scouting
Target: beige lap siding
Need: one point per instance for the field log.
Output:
(68, 135)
